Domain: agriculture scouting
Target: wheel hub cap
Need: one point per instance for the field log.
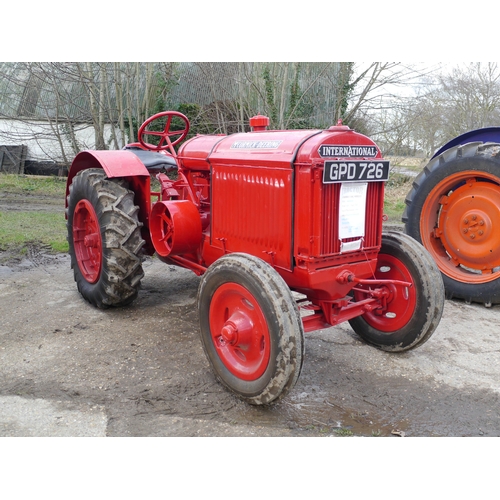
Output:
(465, 226)
(239, 331)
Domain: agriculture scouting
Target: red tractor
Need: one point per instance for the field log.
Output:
(284, 228)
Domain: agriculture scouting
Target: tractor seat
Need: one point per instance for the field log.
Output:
(153, 161)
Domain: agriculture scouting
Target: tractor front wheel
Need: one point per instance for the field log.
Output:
(411, 313)
(104, 236)
(251, 328)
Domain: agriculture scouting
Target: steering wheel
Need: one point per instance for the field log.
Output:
(165, 135)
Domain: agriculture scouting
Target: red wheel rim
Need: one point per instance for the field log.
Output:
(401, 300)
(239, 331)
(459, 226)
(87, 241)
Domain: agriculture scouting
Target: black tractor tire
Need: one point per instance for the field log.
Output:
(104, 236)
(457, 186)
(263, 363)
(413, 313)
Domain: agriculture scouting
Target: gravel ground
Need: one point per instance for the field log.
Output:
(71, 370)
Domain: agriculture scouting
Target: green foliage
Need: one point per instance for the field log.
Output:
(295, 89)
(269, 83)
(346, 87)
(162, 84)
(198, 125)
(300, 107)
(191, 110)
(163, 87)
(206, 119)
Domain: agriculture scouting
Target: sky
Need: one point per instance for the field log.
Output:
(257, 31)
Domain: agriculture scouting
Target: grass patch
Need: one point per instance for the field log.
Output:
(33, 184)
(344, 432)
(396, 189)
(20, 228)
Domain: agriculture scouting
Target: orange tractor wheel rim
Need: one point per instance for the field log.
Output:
(460, 226)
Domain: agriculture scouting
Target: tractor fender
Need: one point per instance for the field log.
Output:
(119, 163)
(488, 134)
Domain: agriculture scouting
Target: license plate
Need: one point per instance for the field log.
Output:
(355, 171)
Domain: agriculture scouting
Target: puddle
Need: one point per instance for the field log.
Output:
(320, 415)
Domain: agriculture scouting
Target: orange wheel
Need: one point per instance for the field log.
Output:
(457, 226)
(454, 211)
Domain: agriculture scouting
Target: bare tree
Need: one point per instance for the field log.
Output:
(113, 99)
(291, 94)
(470, 97)
(55, 104)
(450, 103)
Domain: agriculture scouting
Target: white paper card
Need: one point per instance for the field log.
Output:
(352, 207)
(350, 246)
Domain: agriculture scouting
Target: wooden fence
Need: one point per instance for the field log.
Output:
(12, 159)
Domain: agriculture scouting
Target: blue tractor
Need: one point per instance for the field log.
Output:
(453, 209)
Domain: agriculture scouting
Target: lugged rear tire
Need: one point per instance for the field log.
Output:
(453, 209)
(104, 236)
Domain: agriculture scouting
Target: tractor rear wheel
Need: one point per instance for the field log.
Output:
(454, 211)
(412, 313)
(251, 328)
(104, 236)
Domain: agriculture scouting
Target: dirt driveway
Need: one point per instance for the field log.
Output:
(68, 369)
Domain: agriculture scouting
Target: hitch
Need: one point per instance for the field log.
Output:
(347, 277)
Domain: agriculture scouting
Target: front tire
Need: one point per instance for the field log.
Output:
(251, 328)
(104, 236)
(453, 209)
(412, 313)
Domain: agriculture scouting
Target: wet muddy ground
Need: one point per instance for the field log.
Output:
(68, 369)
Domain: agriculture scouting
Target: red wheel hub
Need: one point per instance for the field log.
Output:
(239, 331)
(459, 226)
(87, 241)
(400, 301)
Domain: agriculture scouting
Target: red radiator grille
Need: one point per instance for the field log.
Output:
(329, 240)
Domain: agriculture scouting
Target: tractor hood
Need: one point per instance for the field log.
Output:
(277, 148)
